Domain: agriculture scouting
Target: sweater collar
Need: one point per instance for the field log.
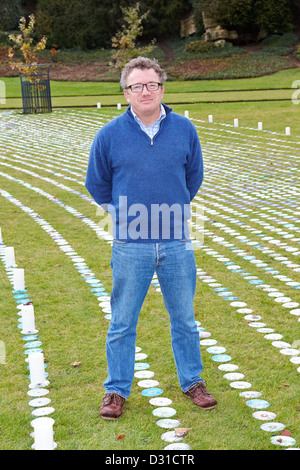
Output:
(129, 111)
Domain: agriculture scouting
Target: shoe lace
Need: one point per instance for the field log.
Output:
(113, 398)
(202, 387)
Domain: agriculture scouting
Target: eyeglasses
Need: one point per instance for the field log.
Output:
(139, 87)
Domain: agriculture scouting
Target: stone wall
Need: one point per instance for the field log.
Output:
(215, 32)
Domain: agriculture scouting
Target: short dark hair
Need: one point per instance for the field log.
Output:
(142, 63)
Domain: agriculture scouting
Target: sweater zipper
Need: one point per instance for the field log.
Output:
(152, 138)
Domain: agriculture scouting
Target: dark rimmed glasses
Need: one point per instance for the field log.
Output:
(139, 87)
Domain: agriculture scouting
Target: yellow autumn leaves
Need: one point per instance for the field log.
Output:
(24, 42)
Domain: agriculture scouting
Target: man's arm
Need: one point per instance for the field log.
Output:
(99, 176)
(194, 169)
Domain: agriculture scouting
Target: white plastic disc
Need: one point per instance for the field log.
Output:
(168, 423)
(160, 401)
(144, 374)
(240, 384)
(148, 383)
(39, 402)
(38, 392)
(228, 367)
(171, 436)
(264, 415)
(283, 440)
(177, 446)
(272, 427)
(164, 412)
(233, 376)
(47, 410)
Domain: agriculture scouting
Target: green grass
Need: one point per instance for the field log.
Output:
(279, 80)
(264, 99)
(71, 324)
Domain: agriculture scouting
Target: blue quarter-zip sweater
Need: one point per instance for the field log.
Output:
(146, 184)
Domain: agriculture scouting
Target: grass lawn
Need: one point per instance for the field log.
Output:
(264, 99)
(250, 194)
(279, 80)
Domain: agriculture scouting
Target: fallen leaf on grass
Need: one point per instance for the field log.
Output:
(182, 432)
(76, 364)
(286, 432)
(120, 437)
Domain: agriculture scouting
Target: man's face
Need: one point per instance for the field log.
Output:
(146, 103)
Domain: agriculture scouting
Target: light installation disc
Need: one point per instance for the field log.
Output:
(273, 336)
(240, 384)
(257, 403)
(291, 305)
(177, 446)
(152, 392)
(29, 351)
(148, 383)
(280, 344)
(272, 427)
(39, 402)
(160, 401)
(295, 311)
(164, 412)
(140, 356)
(221, 358)
(256, 324)
(38, 392)
(208, 342)
(265, 330)
(245, 310)
(295, 360)
(238, 304)
(252, 317)
(171, 436)
(216, 350)
(283, 440)
(204, 334)
(106, 310)
(250, 394)
(168, 423)
(233, 376)
(228, 367)
(47, 410)
(290, 351)
(33, 344)
(141, 366)
(144, 374)
(30, 337)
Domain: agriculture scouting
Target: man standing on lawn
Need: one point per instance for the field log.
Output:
(145, 167)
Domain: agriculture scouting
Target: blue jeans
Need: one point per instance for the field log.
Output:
(133, 266)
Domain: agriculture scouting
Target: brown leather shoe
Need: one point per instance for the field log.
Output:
(112, 406)
(201, 397)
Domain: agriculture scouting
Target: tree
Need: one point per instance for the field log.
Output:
(35, 84)
(10, 13)
(272, 16)
(24, 42)
(164, 16)
(70, 24)
(125, 39)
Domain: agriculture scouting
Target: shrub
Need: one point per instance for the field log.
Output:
(280, 44)
(196, 47)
